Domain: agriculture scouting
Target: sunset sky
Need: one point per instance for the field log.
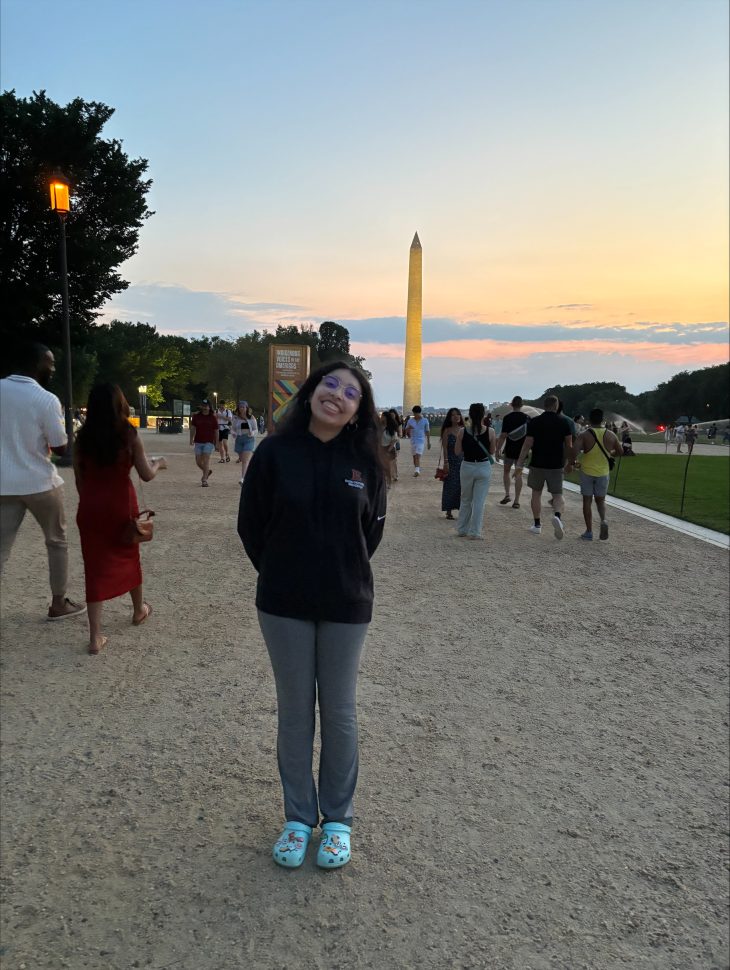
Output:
(564, 162)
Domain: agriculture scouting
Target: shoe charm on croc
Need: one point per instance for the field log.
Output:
(291, 846)
(334, 846)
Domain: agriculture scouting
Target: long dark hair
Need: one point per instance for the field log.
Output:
(363, 436)
(391, 425)
(107, 430)
(397, 417)
(476, 416)
(448, 423)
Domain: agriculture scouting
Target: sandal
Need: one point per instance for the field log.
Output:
(97, 647)
(334, 846)
(291, 846)
(146, 614)
(228, 457)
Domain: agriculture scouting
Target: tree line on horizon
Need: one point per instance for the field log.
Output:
(190, 369)
(702, 394)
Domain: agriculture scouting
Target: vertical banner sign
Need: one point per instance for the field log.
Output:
(288, 370)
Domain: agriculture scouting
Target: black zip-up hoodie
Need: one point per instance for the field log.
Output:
(311, 515)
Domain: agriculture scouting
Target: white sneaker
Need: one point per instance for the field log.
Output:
(536, 529)
(558, 528)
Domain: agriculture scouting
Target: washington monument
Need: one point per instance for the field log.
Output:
(414, 327)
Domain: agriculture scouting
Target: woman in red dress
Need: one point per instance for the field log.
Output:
(107, 447)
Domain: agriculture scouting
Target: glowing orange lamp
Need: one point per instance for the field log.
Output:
(59, 195)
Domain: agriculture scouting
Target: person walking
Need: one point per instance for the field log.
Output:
(562, 414)
(451, 487)
(418, 430)
(679, 433)
(244, 430)
(597, 445)
(398, 418)
(477, 445)
(388, 442)
(224, 417)
(314, 502)
(262, 424)
(550, 440)
(509, 446)
(690, 436)
(31, 427)
(627, 444)
(204, 435)
(107, 447)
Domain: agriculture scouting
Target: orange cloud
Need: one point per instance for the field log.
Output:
(699, 355)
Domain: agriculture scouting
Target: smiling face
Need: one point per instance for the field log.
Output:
(334, 403)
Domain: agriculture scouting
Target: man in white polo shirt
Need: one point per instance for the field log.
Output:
(31, 426)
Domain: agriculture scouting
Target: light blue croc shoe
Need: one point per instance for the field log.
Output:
(291, 846)
(334, 846)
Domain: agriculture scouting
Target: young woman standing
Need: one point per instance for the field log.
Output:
(244, 431)
(451, 489)
(311, 515)
(477, 446)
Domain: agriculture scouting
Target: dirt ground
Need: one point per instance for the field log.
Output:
(544, 766)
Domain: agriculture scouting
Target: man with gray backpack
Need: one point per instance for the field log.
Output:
(514, 429)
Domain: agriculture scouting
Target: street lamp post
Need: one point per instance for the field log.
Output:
(60, 205)
(215, 395)
(142, 389)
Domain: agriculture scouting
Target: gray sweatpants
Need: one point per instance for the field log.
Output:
(316, 662)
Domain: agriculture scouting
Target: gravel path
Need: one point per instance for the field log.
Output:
(544, 776)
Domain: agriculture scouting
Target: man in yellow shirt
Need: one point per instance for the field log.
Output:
(597, 444)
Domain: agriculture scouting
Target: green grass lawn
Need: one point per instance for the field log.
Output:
(655, 481)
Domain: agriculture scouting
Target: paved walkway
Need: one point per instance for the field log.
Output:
(544, 754)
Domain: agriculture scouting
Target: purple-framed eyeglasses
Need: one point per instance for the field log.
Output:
(349, 390)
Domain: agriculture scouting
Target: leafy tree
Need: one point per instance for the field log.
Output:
(187, 380)
(128, 354)
(108, 207)
(334, 344)
(334, 341)
(703, 393)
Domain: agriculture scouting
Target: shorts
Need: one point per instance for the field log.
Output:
(552, 477)
(244, 443)
(594, 485)
(223, 434)
(418, 447)
(205, 449)
(508, 462)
